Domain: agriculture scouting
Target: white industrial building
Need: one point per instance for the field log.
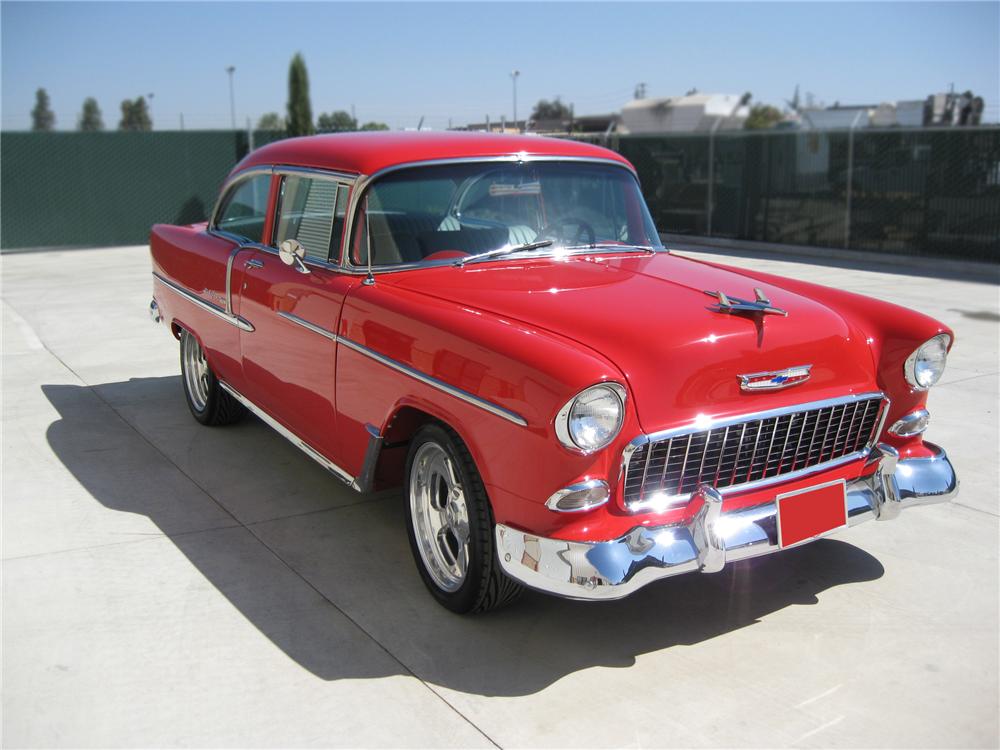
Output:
(683, 114)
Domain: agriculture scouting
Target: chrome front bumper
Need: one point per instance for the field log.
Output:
(616, 568)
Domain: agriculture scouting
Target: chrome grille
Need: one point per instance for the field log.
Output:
(746, 451)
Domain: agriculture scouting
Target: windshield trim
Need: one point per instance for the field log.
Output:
(366, 181)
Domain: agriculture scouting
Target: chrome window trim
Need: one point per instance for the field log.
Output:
(365, 181)
(676, 500)
(344, 181)
(440, 385)
(220, 312)
(227, 188)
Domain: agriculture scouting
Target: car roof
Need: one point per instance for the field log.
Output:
(370, 152)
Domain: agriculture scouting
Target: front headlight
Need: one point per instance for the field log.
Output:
(925, 366)
(593, 418)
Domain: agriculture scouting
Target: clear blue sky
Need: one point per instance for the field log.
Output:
(398, 62)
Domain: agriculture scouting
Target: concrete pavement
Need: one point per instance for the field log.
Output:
(166, 584)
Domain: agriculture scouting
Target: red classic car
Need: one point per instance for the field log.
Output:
(493, 323)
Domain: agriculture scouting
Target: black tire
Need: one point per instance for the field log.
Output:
(485, 586)
(209, 404)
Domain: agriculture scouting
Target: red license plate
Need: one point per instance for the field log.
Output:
(814, 511)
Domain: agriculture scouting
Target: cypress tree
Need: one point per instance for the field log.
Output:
(300, 120)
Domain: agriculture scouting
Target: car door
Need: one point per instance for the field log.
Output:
(289, 360)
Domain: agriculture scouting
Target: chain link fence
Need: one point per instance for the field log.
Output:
(911, 191)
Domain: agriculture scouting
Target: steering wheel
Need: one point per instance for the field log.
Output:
(552, 230)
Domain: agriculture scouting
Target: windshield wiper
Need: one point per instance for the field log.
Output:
(499, 251)
(613, 246)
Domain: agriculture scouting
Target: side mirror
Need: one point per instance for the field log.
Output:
(291, 253)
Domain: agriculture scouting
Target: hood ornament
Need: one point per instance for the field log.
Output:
(774, 380)
(732, 305)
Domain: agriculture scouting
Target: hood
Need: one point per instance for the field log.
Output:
(650, 316)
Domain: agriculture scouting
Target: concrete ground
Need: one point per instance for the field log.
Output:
(166, 584)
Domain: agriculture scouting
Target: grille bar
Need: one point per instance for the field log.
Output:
(755, 449)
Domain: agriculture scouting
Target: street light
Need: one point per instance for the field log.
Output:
(513, 77)
(232, 101)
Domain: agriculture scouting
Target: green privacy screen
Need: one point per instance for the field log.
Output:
(911, 191)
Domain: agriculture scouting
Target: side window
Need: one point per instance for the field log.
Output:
(245, 209)
(312, 212)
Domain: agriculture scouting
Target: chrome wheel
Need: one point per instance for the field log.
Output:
(440, 516)
(195, 372)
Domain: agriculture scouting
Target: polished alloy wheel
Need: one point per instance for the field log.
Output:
(440, 516)
(195, 372)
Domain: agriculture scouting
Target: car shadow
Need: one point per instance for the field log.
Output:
(353, 551)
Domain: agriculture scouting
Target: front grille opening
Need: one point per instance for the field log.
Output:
(750, 451)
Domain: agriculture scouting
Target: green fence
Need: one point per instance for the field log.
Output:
(927, 192)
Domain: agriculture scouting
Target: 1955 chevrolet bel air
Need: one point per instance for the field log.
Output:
(493, 323)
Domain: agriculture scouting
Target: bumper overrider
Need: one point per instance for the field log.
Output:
(616, 568)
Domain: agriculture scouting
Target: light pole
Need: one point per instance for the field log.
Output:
(513, 77)
(232, 101)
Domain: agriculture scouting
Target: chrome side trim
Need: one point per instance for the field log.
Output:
(235, 320)
(309, 326)
(601, 570)
(294, 439)
(435, 383)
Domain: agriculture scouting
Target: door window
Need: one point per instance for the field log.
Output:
(312, 212)
(245, 208)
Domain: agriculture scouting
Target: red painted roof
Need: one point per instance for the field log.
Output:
(367, 153)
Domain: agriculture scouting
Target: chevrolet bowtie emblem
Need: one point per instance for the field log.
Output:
(729, 304)
(772, 381)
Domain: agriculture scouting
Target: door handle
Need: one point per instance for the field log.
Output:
(254, 263)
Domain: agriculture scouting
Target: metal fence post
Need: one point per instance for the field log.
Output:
(850, 180)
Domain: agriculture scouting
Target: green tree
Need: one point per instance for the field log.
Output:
(300, 120)
(336, 122)
(90, 118)
(42, 117)
(551, 110)
(271, 121)
(762, 116)
(135, 115)
(374, 126)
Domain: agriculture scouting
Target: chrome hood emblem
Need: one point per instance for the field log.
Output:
(772, 381)
(729, 304)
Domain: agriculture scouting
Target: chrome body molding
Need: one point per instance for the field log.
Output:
(294, 439)
(440, 385)
(234, 320)
(682, 499)
(309, 326)
(712, 538)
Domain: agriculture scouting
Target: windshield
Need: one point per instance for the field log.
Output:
(454, 212)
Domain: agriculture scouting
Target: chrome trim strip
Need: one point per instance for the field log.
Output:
(674, 500)
(309, 326)
(294, 439)
(435, 383)
(235, 320)
(612, 569)
(230, 183)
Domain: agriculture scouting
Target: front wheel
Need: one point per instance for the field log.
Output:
(206, 399)
(450, 525)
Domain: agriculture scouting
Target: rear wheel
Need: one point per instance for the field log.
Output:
(450, 525)
(209, 404)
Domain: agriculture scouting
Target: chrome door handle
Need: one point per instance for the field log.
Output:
(254, 263)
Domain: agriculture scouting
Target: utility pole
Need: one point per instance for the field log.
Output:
(232, 99)
(513, 77)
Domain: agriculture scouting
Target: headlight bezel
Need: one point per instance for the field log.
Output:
(910, 366)
(562, 422)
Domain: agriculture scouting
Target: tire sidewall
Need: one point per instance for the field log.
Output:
(466, 596)
(204, 416)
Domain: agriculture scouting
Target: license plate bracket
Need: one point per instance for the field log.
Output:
(804, 515)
